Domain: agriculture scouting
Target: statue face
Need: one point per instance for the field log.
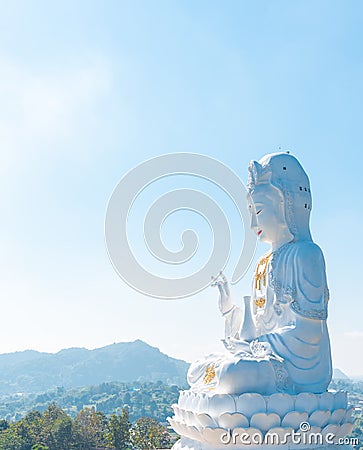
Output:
(266, 206)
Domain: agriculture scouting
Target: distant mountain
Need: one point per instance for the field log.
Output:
(32, 371)
(339, 375)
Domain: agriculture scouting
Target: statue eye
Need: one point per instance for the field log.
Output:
(258, 212)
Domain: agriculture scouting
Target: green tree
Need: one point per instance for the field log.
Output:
(117, 435)
(4, 424)
(56, 429)
(52, 413)
(34, 422)
(358, 431)
(15, 437)
(147, 434)
(88, 429)
(62, 433)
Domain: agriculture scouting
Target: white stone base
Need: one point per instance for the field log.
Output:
(215, 422)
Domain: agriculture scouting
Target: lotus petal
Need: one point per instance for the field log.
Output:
(306, 402)
(193, 433)
(313, 437)
(249, 404)
(248, 436)
(194, 403)
(319, 418)
(192, 419)
(349, 415)
(264, 422)
(203, 403)
(216, 436)
(179, 414)
(326, 401)
(170, 420)
(190, 400)
(184, 428)
(221, 403)
(183, 415)
(345, 429)
(340, 400)
(337, 416)
(179, 444)
(182, 399)
(330, 429)
(278, 436)
(238, 435)
(233, 420)
(280, 404)
(206, 420)
(294, 419)
(177, 427)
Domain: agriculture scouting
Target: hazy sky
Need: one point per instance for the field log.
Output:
(90, 89)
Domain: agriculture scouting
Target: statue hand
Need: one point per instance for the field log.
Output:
(236, 345)
(260, 349)
(225, 301)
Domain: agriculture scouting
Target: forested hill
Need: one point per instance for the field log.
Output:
(32, 371)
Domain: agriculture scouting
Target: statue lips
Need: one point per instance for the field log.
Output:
(259, 232)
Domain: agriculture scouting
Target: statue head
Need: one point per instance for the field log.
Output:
(281, 199)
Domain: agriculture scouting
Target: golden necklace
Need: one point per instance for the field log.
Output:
(261, 278)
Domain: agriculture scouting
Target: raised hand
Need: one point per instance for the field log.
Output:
(225, 301)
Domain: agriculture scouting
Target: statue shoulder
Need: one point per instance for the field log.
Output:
(306, 256)
(310, 281)
(310, 262)
(308, 251)
(298, 276)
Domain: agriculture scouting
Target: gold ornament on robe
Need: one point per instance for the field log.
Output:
(261, 272)
(210, 373)
(260, 302)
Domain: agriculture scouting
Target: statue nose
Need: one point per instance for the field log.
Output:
(253, 221)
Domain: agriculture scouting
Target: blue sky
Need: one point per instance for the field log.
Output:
(90, 89)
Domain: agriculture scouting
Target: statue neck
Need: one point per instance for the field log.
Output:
(283, 239)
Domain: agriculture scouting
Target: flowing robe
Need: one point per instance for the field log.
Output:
(292, 321)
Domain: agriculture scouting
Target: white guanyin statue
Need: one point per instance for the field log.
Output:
(277, 367)
(284, 346)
